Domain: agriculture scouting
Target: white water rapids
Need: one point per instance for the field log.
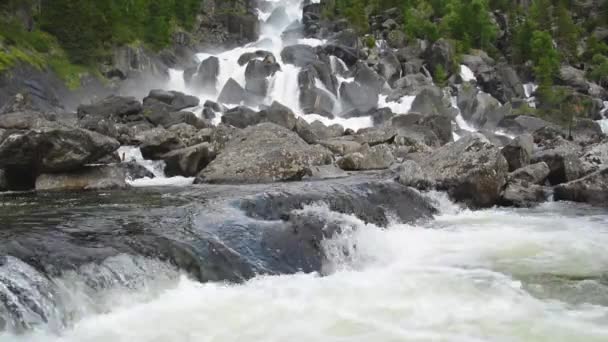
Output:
(491, 275)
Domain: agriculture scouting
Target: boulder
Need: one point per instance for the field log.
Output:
(53, 149)
(264, 153)
(305, 131)
(441, 53)
(114, 107)
(206, 77)
(326, 132)
(530, 174)
(471, 169)
(409, 85)
(232, 93)
(133, 170)
(189, 161)
(299, 55)
(520, 124)
(572, 77)
(350, 56)
(367, 77)
(523, 196)
(502, 82)
(586, 132)
(278, 18)
(341, 146)
(317, 101)
(175, 99)
(432, 101)
(479, 109)
(99, 177)
(592, 189)
(167, 119)
(280, 115)
(242, 117)
(519, 151)
(562, 157)
(439, 127)
(358, 97)
(411, 174)
(368, 158)
(595, 157)
(157, 142)
(4, 185)
(256, 76)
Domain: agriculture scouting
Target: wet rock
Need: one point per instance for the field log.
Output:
(368, 158)
(519, 151)
(586, 131)
(116, 108)
(257, 74)
(592, 189)
(595, 157)
(206, 77)
(471, 169)
(411, 174)
(133, 170)
(264, 153)
(316, 101)
(53, 149)
(358, 97)
(441, 53)
(367, 77)
(519, 124)
(157, 142)
(299, 55)
(87, 178)
(326, 132)
(280, 115)
(169, 119)
(175, 99)
(189, 161)
(278, 18)
(409, 85)
(242, 117)
(502, 82)
(305, 131)
(232, 93)
(432, 101)
(479, 109)
(381, 116)
(350, 56)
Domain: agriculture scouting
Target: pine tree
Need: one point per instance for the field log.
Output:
(567, 32)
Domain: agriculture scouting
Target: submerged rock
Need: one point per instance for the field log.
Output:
(264, 153)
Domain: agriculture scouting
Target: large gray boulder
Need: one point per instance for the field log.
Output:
(175, 99)
(257, 74)
(232, 93)
(531, 174)
(432, 101)
(595, 157)
(368, 158)
(206, 77)
(519, 151)
(523, 195)
(441, 54)
(471, 169)
(53, 149)
(189, 161)
(409, 85)
(356, 96)
(502, 82)
(242, 117)
(411, 174)
(479, 109)
(99, 177)
(520, 124)
(264, 153)
(299, 55)
(117, 108)
(592, 189)
(157, 142)
(562, 157)
(342, 145)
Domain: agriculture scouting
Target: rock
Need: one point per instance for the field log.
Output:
(206, 77)
(256, 76)
(169, 119)
(368, 78)
(409, 85)
(432, 101)
(586, 132)
(358, 97)
(519, 151)
(471, 169)
(350, 56)
(114, 107)
(523, 196)
(232, 93)
(479, 109)
(278, 18)
(305, 131)
(520, 124)
(595, 157)
(572, 77)
(88, 178)
(316, 101)
(592, 189)
(341, 146)
(381, 116)
(396, 39)
(4, 185)
(264, 153)
(189, 161)
(326, 132)
(532, 174)
(299, 55)
(348, 38)
(175, 99)
(368, 158)
(411, 174)
(157, 142)
(22, 120)
(441, 53)
(280, 115)
(325, 172)
(502, 82)
(133, 170)
(53, 149)
(242, 117)
(562, 157)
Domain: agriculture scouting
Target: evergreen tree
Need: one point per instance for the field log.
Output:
(567, 32)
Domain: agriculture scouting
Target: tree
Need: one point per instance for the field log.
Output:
(567, 33)
(469, 21)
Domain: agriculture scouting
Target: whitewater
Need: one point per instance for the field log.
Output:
(490, 275)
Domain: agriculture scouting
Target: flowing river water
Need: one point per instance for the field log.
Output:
(491, 275)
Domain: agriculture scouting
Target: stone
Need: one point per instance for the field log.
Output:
(189, 161)
(432, 101)
(523, 196)
(232, 93)
(368, 158)
(264, 153)
(592, 189)
(157, 142)
(358, 97)
(87, 178)
(113, 107)
(471, 169)
(532, 174)
(411, 174)
(175, 99)
(519, 151)
(133, 170)
(562, 157)
(206, 77)
(341, 146)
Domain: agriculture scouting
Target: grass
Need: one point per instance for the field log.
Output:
(40, 50)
